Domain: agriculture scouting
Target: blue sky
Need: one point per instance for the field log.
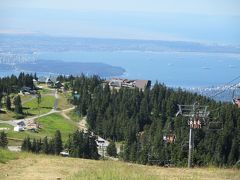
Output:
(214, 21)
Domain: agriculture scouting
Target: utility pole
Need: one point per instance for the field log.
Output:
(196, 115)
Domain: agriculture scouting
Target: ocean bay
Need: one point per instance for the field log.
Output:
(185, 69)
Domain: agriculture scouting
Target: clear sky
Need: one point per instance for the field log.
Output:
(194, 20)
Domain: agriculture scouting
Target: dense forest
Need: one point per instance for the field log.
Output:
(13, 83)
(140, 119)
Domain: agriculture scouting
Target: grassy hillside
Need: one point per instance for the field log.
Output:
(29, 166)
(45, 106)
(49, 124)
(30, 107)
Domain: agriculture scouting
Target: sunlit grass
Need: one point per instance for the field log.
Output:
(7, 115)
(73, 115)
(47, 103)
(30, 166)
(49, 124)
(6, 155)
(3, 125)
(63, 102)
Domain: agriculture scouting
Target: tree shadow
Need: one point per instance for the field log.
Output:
(2, 111)
(47, 107)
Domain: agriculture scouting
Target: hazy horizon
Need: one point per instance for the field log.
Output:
(199, 21)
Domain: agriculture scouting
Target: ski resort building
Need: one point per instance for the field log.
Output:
(119, 83)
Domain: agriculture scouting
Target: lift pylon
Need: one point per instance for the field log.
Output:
(197, 115)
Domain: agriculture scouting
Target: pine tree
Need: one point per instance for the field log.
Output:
(45, 145)
(93, 148)
(111, 149)
(39, 99)
(26, 145)
(3, 139)
(29, 144)
(0, 101)
(34, 146)
(18, 105)
(38, 145)
(8, 103)
(58, 146)
(233, 156)
(51, 147)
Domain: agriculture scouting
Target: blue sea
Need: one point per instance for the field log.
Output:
(184, 69)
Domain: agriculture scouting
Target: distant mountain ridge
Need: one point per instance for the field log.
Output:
(37, 43)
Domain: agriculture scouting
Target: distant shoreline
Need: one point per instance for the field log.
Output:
(60, 67)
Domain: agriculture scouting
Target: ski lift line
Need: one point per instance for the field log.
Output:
(236, 78)
(223, 90)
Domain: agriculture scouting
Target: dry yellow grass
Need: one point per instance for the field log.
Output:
(29, 166)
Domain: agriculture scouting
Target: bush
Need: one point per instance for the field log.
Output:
(3, 140)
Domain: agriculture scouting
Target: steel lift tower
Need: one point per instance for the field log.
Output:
(197, 117)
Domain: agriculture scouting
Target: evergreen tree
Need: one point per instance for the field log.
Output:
(58, 146)
(111, 149)
(18, 105)
(45, 145)
(0, 101)
(39, 99)
(34, 146)
(3, 139)
(51, 146)
(38, 145)
(82, 145)
(26, 145)
(93, 148)
(8, 103)
(233, 156)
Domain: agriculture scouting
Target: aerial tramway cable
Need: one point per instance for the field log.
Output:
(229, 87)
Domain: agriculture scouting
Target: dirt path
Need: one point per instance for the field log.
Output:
(63, 113)
(14, 122)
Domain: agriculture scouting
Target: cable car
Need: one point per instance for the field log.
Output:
(236, 96)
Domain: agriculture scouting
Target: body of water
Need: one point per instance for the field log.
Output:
(172, 68)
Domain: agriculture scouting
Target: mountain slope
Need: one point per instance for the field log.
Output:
(30, 166)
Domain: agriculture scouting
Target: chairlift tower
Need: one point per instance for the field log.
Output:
(197, 117)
